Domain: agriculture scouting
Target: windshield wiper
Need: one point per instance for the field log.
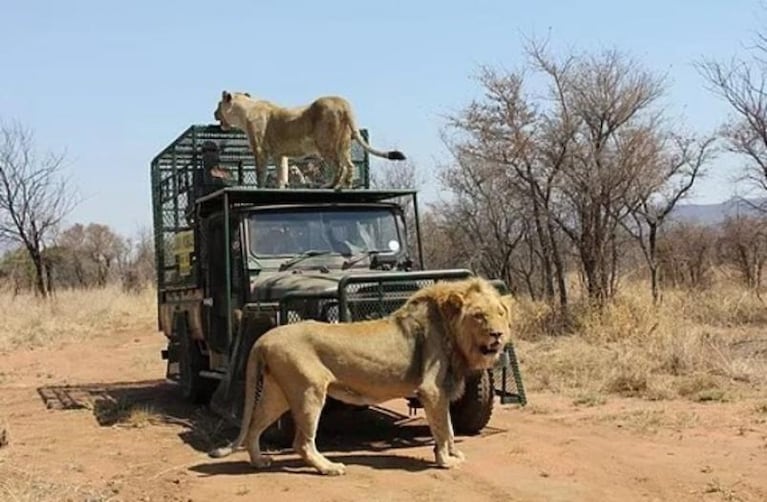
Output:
(359, 257)
(303, 256)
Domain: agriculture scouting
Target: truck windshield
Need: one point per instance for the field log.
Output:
(343, 231)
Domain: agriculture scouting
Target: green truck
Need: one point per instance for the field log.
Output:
(234, 260)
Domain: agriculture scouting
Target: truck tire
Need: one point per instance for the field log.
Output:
(472, 411)
(193, 387)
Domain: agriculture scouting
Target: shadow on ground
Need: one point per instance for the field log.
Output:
(298, 466)
(135, 404)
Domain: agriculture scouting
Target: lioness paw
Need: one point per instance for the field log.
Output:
(458, 454)
(334, 469)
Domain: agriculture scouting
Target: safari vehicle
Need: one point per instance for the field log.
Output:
(234, 260)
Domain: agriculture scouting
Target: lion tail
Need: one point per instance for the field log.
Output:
(252, 374)
(391, 155)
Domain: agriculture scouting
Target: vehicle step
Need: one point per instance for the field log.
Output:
(212, 374)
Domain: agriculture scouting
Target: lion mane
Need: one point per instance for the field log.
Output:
(325, 127)
(425, 348)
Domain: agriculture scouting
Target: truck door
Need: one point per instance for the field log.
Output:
(215, 271)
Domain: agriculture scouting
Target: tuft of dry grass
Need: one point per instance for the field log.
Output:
(72, 315)
(589, 398)
(650, 421)
(704, 347)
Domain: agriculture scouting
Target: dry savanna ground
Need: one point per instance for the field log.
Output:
(633, 403)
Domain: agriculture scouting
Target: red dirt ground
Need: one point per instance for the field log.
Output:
(551, 450)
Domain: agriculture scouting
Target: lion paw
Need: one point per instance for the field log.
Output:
(261, 461)
(448, 461)
(334, 469)
(458, 454)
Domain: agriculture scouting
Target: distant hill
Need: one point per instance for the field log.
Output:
(713, 214)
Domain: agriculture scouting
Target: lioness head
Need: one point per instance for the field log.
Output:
(480, 321)
(224, 110)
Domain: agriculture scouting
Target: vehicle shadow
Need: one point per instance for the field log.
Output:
(138, 404)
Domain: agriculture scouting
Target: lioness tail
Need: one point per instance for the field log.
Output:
(391, 155)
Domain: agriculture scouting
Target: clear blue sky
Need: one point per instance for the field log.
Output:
(114, 82)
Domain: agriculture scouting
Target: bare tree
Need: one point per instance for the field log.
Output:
(137, 264)
(402, 175)
(487, 229)
(608, 99)
(744, 244)
(742, 84)
(678, 166)
(103, 247)
(396, 175)
(503, 134)
(685, 253)
(34, 196)
(576, 158)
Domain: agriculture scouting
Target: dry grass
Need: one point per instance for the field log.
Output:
(707, 346)
(650, 421)
(704, 346)
(72, 316)
(126, 413)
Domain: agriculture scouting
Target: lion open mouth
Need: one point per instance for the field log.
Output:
(490, 350)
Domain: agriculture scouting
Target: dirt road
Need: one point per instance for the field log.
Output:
(116, 431)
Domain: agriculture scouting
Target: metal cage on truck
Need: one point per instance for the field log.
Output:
(178, 179)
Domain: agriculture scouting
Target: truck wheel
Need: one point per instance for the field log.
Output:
(193, 387)
(471, 412)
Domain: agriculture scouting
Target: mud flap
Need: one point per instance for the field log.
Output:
(172, 356)
(229, 397)
(228, 408)
(508, 378)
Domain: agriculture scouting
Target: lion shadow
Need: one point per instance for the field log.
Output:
(373, 429)
(295, 465)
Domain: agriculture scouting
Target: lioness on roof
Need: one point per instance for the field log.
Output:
(324, 127)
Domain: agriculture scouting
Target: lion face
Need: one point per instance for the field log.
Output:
(224, 110)
(482, 325)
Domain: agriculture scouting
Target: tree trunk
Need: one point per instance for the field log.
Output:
(37, 262)
(558, 266)
(652, 261)
(543, 241)
(49, 277)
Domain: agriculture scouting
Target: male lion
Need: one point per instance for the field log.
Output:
(426, 347)
(325, 127)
